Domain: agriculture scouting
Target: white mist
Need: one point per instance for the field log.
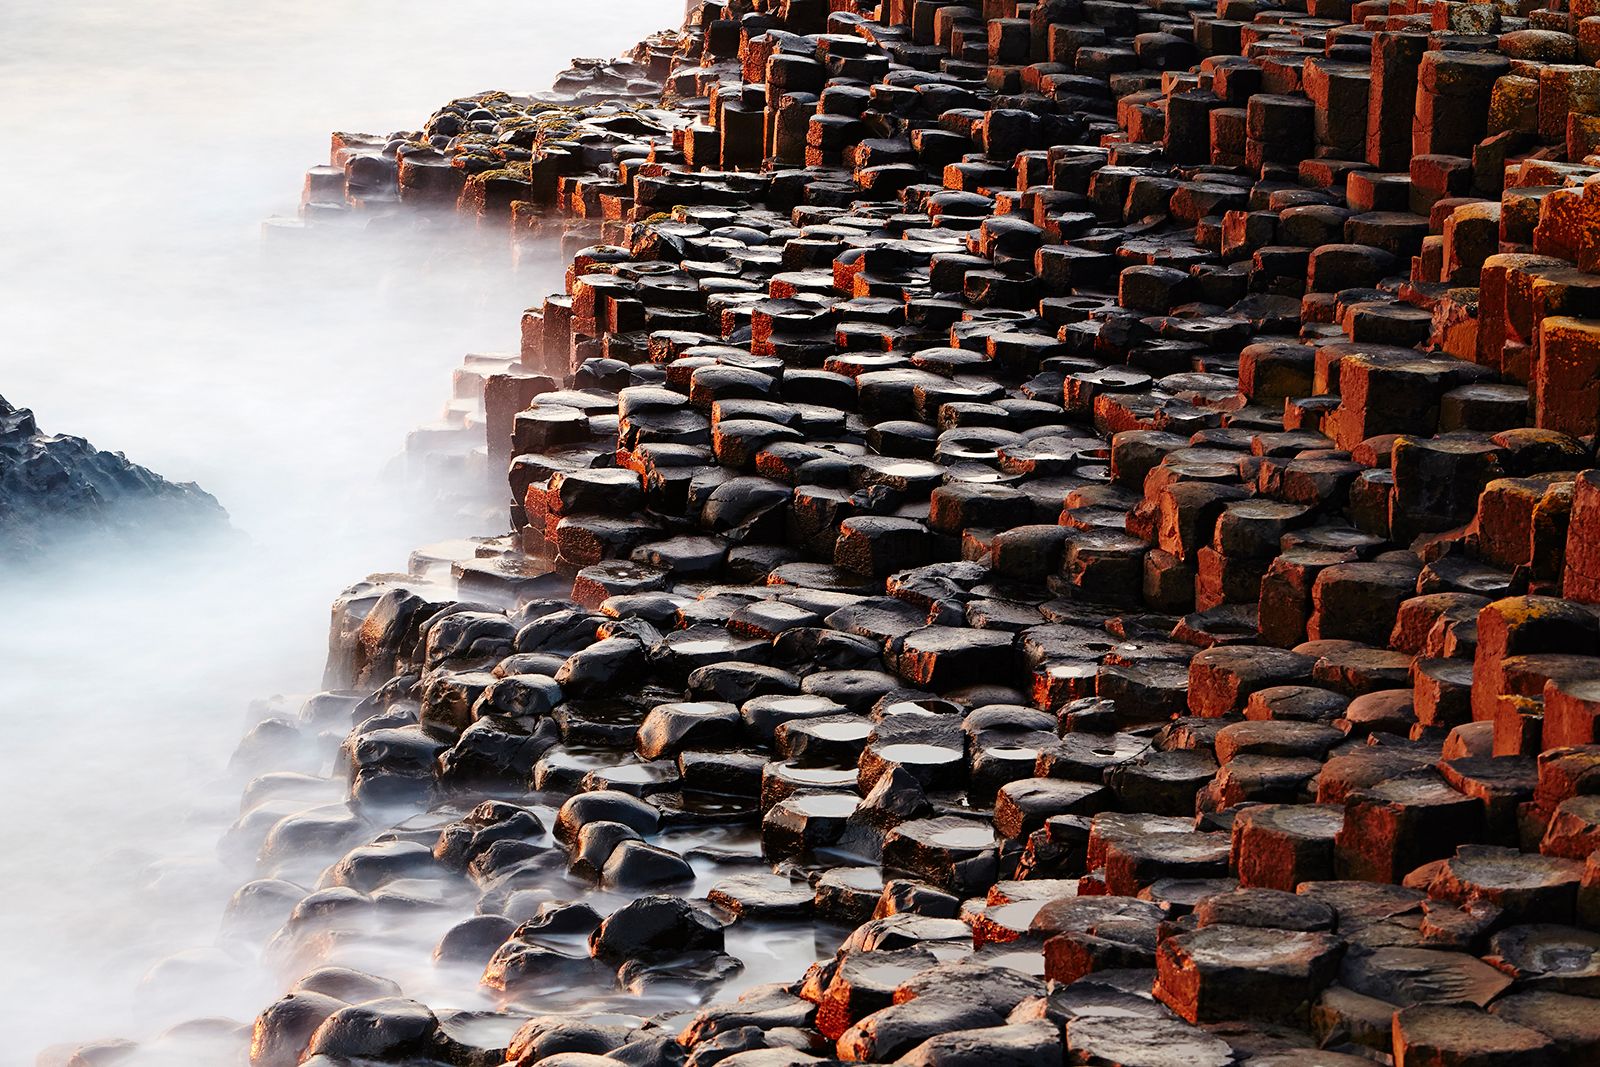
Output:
(149, 139)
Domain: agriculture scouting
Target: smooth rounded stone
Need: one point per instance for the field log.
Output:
(611, 580)
(259, 907)
(732, 1043)
(605, 806)
(281, 1032)
(654, 927)
(473, 941)
(670, 728)
(559, 633)
(297, 841)
(550, 1035)
(331, 907)
(641, 779)
(805, 821)
(1388, 711)
(772, 1057)
(467, 638)
(1547, 956)
(905, 929)
(1021, 807)
(496, 752)
(600, 667)
(389, 1028)
(770, 1007)
(1277, 738)
(1270, 908)
(693, 972)
(891, 1032)
(848, 895)
(1007, 719)
(992, 764)
(1026, 1044)
(763, 896)
(902, 438)
(650, 1050)
(1570, 1022)
(1526, 887)
(578, 1059)
(833, 740)
(684, 557)
(738, 682)
(763, 715)
(346, 984)
(557, 924)
(519, 695)
(1143, 1042)
(1236, 972)
(530, 969)
(1447, 1034)
(288, 787)
(637, 865)
(1280, 846)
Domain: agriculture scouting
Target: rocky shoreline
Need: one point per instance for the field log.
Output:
(57, 490)
(1042, 533)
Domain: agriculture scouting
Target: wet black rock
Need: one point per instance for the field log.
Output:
(55, 487)
(655, 927)
(389, 1028)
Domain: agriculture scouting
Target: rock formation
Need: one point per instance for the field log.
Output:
(1093, 500)
(55, 488)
